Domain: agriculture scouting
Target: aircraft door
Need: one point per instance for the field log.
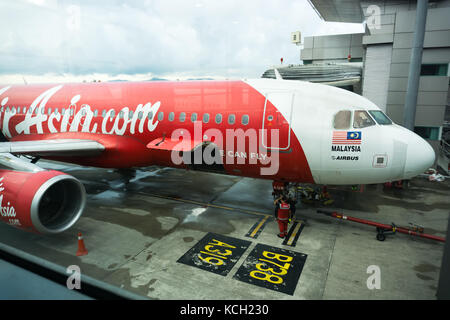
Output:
(277, 120)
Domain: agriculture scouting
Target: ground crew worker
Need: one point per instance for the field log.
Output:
(283, 217)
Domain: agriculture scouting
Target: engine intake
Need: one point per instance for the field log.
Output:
(45, 202)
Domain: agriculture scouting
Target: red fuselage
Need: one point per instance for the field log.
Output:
(126, 117)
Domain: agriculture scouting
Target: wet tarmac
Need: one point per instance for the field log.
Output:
(140, 227)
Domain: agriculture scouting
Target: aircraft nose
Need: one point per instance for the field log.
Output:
(420, 156)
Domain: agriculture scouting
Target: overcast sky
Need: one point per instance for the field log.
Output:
(72, 40)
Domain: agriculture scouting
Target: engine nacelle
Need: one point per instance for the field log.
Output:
(44, 201)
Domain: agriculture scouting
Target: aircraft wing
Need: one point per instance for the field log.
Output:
(55, 147)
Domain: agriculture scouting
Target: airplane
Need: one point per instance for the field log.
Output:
(285, 131)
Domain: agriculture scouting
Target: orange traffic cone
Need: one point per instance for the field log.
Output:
(81, 248)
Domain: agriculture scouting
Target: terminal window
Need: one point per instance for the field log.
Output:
(430, 133)
(434, 69)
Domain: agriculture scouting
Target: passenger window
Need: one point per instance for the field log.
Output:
(130, 114)
(121, 115)
(49, 111)
(63, 111)
(103, 113)
(140, 115)
(245, 119)
(342, 119)
(150, 115)
(161, 116)
(56, 110)
(380, 117)
(95, 113)
(218, 118)
(13, 110)
(206, 118)
(231, 119)
(362, 119)
(112, 114)
(24, 110)
(194, 117)
(171, 116)
(83, 112)
(182, 116)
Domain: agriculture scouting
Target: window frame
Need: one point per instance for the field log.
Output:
(350, 120)
(373, 122)
(233, 117)
(218, 118)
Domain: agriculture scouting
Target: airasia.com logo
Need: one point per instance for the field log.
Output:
(249, 147)
(68, 122)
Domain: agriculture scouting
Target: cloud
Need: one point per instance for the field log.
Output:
(163, 38)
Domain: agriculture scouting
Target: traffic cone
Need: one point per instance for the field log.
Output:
(81, 248)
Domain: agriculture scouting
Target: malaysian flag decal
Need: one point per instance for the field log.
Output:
(346, 137)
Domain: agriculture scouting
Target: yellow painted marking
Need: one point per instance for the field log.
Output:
(259, 226)
(215, 255)
(291, 239)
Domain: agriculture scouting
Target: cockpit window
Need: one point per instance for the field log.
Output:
(342, 119)
(362, 119)
(380, 117)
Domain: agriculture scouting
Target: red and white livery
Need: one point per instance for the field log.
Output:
(289, 131)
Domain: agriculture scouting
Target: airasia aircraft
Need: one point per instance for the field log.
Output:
(285, 131)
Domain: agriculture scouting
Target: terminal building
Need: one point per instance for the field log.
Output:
(384, 51)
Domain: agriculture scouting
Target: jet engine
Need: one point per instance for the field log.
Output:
(44, 201)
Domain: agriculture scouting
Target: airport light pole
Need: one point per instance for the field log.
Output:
(409, 115)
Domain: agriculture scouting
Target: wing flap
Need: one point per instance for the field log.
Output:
(55, 147)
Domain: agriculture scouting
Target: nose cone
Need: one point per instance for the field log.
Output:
(420, 156)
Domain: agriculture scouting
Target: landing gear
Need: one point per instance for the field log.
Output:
(126, 175)
(399, 184)
(315, 195)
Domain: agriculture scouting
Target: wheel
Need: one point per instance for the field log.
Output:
(381, 237)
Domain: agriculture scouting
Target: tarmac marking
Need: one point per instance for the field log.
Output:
(294, 233)
(272, 268)
(256, 229)
(215, 253)
(203, 204)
